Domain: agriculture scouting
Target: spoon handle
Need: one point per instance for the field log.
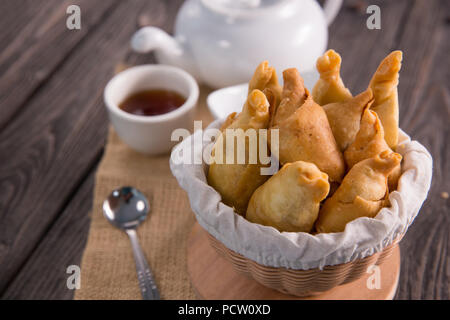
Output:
(147, 284)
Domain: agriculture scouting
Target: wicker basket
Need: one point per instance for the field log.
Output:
(301, 282)
(222, 221)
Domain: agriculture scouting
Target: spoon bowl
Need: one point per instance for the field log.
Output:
(126, 208)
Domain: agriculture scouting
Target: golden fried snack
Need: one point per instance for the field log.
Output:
(363, 193)
(345, 117)
(384, 86)
(368, 143)
(306, 135)
(237, 182)
(293, 95)
(228, 121)
(265, 77)
(272, 104)
(330, 88)
(290, 199)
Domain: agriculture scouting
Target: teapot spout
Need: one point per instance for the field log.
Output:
(166, 48)
(154, 39)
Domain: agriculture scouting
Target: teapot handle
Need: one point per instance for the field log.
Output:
(331, 9)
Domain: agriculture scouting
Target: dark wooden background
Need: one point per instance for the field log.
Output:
(53, 125)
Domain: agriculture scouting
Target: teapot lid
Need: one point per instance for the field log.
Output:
(242, 7)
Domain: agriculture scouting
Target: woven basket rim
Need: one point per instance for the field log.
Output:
(328, 266)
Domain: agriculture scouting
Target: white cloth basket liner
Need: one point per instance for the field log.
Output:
(298, 250)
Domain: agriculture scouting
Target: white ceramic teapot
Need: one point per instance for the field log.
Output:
(220, 42)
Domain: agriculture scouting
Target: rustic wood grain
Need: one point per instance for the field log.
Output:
(425, 116)
(57, 138)
(44, 276)
(54, 125)
(12, 24)
(38, 49)
(363, 49)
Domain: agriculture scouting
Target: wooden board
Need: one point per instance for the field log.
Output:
(214, 278)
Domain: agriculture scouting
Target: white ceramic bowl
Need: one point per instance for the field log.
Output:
(150, 134)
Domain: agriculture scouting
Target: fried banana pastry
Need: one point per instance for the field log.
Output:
(345, 117)
(236, 182)
(368, 143)
(290, 199)
(293, 95)
(228, 121)
(265, 77)
(384, 86)
(363, 193)
(306, 136)
(330, 88)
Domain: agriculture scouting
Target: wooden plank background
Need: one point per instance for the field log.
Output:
(53, 125)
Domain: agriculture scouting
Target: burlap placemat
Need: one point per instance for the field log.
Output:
(108, 268)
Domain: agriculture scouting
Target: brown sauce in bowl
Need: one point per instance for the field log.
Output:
(152, 102)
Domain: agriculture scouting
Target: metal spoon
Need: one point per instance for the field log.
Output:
(126, 208)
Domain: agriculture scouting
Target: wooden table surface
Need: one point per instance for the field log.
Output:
(53, 125)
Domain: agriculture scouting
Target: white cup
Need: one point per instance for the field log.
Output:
(150, 134)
